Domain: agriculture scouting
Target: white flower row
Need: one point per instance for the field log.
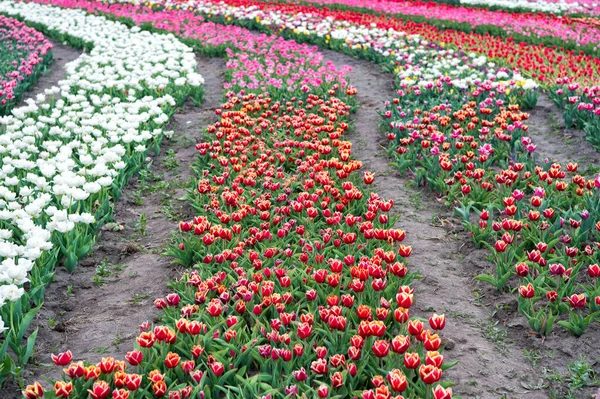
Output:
(62, 151)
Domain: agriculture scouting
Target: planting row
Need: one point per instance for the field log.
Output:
(535, 28)
(296, 284)
(24, 55)
(583, 7)
(475, 132)
(540, 221)
(66, 154)
(420, 54)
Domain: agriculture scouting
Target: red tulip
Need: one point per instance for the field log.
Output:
(400, 343)
(430, 374)
(120, 394)
(217, 368)
(63, 389)
(434, 358)
(500, 246)
(577, 301)
(522, 269)
(415, 327)
(594, 271)
(62, 359)
(159, 388)
(432, 342)
(411, 360)
(172, 360)
(133, 381)
(397, 380)
(300, 375)
(380, 348)
(146, 339)
(527, 291)
(437, 322)
(337, 380)
(323, 391)
(440, 392)
(34, 391)
(319, 366)
(404, 251)
(75, 370)
(100, 390)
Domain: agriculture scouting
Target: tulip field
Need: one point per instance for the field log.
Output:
(299, 199)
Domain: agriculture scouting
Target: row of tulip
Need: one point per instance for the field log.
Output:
(581, 105)
(542, 63)
(295, 287)
(539, 220)
(535, 28)
(24, 55)
(497, 146)
(68, 152)
(416, 60)
(586, 7)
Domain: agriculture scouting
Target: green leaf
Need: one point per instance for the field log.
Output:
(30, 343)
(26, 321)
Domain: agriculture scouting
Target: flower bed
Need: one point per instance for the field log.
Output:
(539, 221)
(69, 152)
(25, 53)
(285, 232)
(552, 6)
(418, 61)
(535, 28)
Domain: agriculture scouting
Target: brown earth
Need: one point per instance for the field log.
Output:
(62, 55)
(555, 143)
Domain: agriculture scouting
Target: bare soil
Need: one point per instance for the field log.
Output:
(62, 55)
(491, 341)
(555, 143)
(95, 312)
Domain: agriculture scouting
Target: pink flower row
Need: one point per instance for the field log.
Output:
(527, 24)
(21, 50)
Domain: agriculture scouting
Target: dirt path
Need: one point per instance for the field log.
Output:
(95, 312)
(555, 143)
(491, 350)
(62, 55)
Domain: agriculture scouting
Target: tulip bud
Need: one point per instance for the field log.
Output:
(34, 391)
(323, 391)
(63, 389)
(62, 359)
(429, 374)
(437, 322)
(440, 392)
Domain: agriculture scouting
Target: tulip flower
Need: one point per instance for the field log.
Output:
(63, 389)
(34, 391)
(429, 374)
(437, 322)
(100, 390)
(527, 291)
(440, 392)
(62, 359)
